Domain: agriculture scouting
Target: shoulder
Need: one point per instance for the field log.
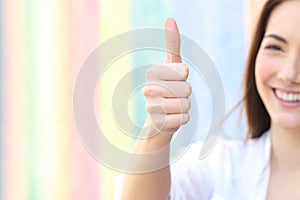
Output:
(225, 149)
(236, 156)
(231, 162)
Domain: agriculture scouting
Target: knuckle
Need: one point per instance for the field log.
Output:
(150, 73)
(181, 105)
(188, 89)
(155, 108)
(185, 72)
(174, 121)
(172, 124)
(148, 107)
(185, 118)
(187, 104)
(145, 91)
(149, 90)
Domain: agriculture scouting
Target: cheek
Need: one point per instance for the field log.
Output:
(264, 69)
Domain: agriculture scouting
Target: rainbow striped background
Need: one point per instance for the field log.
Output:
(42, 46)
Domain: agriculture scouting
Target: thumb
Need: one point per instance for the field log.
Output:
(172, 41)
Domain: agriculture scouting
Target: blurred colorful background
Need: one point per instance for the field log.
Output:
(43, 44)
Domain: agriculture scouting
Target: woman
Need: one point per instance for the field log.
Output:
(266, 166)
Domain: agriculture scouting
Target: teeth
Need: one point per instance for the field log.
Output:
(289, 97)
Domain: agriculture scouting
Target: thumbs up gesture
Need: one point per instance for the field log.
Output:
(167, 91)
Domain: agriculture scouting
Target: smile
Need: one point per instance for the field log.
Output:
(288, 97)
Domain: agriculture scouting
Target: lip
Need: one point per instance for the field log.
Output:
(283, 103)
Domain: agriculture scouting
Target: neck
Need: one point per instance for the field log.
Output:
(285, 153)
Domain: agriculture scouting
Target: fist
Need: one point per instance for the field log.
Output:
(167, 91)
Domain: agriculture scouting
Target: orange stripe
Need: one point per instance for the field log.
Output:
(15, 93)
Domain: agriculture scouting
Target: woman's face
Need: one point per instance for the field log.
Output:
(277, 69)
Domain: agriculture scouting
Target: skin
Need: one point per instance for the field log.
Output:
(278, 68)
(167, 103)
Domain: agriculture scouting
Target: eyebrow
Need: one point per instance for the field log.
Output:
(277, 37)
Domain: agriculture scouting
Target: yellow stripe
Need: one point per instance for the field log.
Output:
(114, 19)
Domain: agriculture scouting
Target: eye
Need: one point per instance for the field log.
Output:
(273, 47)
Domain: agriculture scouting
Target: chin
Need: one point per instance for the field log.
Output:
(287, 122)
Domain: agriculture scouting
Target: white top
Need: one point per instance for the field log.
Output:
(233, 170)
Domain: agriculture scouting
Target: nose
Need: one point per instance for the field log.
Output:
(290, 71)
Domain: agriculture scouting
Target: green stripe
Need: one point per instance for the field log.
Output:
(34, 186)
(146, 14)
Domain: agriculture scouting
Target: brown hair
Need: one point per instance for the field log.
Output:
(257, 116)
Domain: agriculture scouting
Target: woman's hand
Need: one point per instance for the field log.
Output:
(167, 90)
(167, 102)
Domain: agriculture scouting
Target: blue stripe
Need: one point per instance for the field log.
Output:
(214, 26)
(145, 14)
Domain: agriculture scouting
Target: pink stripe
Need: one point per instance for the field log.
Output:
(83, 23)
